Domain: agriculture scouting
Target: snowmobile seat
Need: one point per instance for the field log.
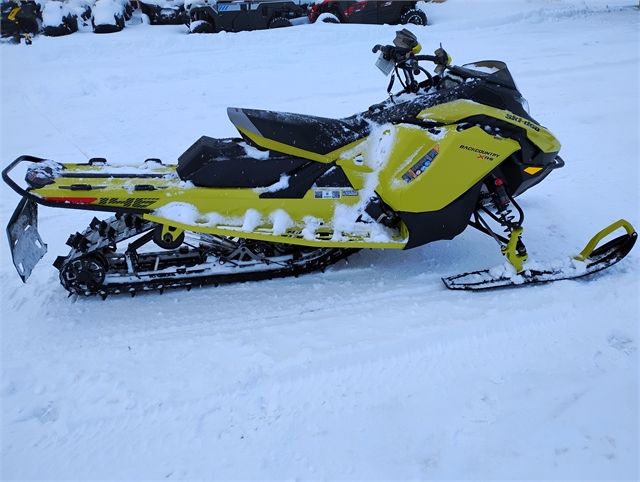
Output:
(319, 135)
(231, 163)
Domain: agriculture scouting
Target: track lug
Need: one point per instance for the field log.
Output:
(78, 241)
(59, 262)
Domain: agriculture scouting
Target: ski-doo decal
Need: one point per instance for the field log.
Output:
(457, 110)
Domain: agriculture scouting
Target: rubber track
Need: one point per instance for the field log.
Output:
(101, 235)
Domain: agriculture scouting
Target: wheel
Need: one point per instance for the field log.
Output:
(413, 16)
(279, 22)
(168, 241)
(328, 18)
(85, 274)
(201, 26)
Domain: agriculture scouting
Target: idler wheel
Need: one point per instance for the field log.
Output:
(85, 274)
(168, 237)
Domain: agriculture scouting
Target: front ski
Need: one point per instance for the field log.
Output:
(589, 261)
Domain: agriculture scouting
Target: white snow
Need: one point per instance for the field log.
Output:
(279, 185)
(254, 152)
(372, 370)
(281, 221)
(104, 12)
(52, 13)
(252, 219)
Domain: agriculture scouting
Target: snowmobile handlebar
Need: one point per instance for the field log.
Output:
(400, 55)
(406, 60)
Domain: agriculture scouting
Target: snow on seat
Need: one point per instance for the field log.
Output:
(319, 135)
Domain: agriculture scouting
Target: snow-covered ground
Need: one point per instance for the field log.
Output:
(372, 369)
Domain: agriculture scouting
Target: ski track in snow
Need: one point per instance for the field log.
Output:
(372, 369)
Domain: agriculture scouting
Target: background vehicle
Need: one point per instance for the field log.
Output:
(60, 17)
(164, 12)
(367, 12)
(238, 16)
(20, 20)
(109, 15)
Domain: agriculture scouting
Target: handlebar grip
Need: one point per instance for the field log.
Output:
(428, 58)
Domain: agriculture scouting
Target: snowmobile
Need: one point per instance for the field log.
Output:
(21, 19)
(297, 193)
(109, 16)
(60, 17)
(164, 12)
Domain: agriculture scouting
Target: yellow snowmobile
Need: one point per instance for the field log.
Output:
(297, 193)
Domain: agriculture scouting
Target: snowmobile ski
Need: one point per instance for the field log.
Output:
(589, 261)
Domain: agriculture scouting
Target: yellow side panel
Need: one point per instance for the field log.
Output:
(424, 171)
(460, 109)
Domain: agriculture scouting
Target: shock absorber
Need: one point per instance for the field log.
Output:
(515, 250)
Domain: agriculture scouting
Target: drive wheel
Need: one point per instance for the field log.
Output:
(413, 16)
(279, 22)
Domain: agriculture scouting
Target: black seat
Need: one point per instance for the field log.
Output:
(226, 163)
(319, 135)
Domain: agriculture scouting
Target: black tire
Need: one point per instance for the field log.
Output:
(414, 16)
(203, 26)
(279, 22)
(68, 26)
(328, 17)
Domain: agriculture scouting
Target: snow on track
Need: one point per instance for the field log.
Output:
(371, 369)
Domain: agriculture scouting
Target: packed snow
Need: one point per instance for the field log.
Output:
(371, 370)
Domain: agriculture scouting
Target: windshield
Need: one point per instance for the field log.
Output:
(493, 71)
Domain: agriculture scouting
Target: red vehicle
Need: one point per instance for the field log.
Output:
(392, 12)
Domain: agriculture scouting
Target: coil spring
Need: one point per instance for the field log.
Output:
(501, 203)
